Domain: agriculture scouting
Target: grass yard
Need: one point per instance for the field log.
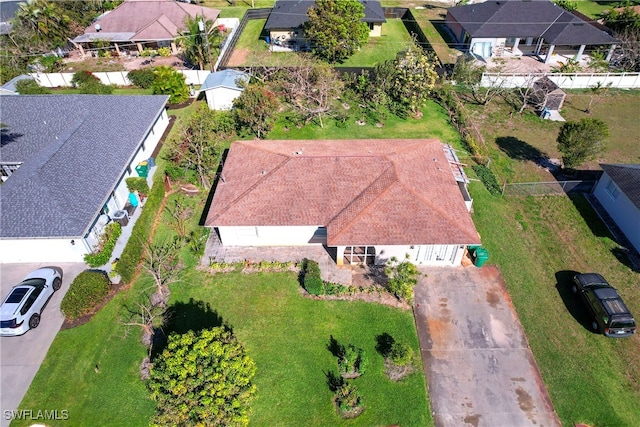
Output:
(252, 48)
(292, 356)
(594, 8)
(539, 243)
(515, 140)
(433, 124)
(431, 20)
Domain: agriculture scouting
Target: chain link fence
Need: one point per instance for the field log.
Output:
(548, 188)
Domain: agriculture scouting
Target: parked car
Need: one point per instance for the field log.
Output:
(21, 309)
(611, 315)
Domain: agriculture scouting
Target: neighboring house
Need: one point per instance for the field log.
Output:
(618, 191)
(222, 87)
(65, 159)
(9, 88)
(369, 199)
(139, 24)
(8, 9)
(524, 27)
(287, 17)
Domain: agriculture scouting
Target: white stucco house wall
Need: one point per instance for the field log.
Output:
(618, 191)
(369, 199)
(222, 87)
(65, 159)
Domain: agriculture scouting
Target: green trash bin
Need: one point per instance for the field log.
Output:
(142, 169)
(481, 256)
(472, 249)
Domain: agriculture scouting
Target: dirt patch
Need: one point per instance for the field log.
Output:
(238, 57)
(395, 372)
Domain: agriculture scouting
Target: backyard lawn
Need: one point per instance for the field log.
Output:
(252, 48)
(540, 242)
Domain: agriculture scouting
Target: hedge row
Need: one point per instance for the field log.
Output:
(87, 290)
(132, 253)
(107, 243)
(488, 179)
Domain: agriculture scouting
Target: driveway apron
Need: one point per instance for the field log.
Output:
(480, 369)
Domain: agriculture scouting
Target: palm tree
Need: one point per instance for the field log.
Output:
(194, 42)
(45, 20)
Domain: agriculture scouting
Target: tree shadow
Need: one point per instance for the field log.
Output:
(573, 302)
(335, 347)
(384, 343)
(518, 149)
(7, 137)
(183, 317)
(334, 381)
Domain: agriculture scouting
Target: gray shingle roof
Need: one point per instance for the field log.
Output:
(225, 78)
(627, 178)
(293, 13)
(529, 18)
(75, 148)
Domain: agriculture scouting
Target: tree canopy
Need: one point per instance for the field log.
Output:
(255, 109)
(582, 140)
(335, 29)
(203, 378)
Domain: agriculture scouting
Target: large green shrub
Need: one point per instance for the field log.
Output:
(488, 179)
(403, 277)
(139, 184)
(87, 290)
(142, 78)
(312, 279)
(400, 353)
(203, 378)
(90, 84)
(132, 253)
(105, 246)
(31, 87)
(170, 82)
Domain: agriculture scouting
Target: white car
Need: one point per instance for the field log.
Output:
(21, 309)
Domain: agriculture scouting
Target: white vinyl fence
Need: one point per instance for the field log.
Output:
(563, 80)
(117, 78)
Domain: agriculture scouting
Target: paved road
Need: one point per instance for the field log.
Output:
(480, 370)
(20, 357)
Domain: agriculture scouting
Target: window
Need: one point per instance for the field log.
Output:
(612, 189)
(359, 255)
(30, 300)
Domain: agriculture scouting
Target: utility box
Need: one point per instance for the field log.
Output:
(121, 217)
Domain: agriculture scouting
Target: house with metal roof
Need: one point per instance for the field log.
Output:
(618, 191)
(288, 16)
(370, 200)
(138, 24)
(64, 162)
(222, 87)
(524, 27)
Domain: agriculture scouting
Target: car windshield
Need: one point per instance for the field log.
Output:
(17, 295)
(623, 324)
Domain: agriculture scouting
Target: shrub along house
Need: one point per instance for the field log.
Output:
(618, 191)
(369, 199)
(285, 21)
(524, 27)
(65, 159)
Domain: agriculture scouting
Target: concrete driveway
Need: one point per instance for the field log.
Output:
(20, 357)
(480, 369)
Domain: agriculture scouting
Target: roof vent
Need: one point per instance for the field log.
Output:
(264, 172)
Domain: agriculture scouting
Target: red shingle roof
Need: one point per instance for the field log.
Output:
(366, 192)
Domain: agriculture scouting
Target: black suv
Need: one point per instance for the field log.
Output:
(611, 315)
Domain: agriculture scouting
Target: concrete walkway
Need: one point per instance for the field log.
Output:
(480, 370)
(214, 251)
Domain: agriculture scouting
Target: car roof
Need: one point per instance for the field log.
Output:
(17, 294)
(590, 279)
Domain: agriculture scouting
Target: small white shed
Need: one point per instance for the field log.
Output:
(222, 87)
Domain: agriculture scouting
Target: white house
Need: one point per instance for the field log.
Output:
(65, 159)
(618, 191)
(222, 87)
(369, 199)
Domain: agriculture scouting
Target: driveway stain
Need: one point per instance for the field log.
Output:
(474, 420)
(524, 400)
(493, 298)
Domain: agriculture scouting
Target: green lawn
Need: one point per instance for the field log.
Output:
(378, 49)
(539, 242)
(287, 335)
(594, 9)
(431, 20)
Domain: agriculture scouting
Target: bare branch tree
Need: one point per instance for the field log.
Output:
(160, 260)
